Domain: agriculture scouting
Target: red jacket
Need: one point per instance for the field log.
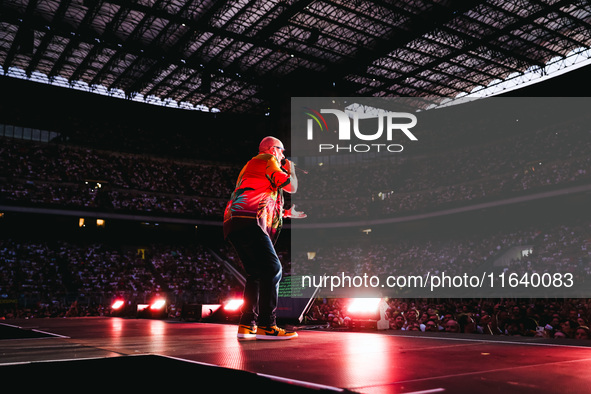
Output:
(258, 197)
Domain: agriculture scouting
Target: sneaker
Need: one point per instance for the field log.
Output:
(247, 332)
(274, 333)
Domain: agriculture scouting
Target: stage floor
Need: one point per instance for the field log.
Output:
(364, 362)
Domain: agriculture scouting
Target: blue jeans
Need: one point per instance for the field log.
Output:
(263, 274)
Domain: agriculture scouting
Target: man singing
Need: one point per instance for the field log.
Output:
(252, 221)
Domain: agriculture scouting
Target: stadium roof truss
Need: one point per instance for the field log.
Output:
(235, 55)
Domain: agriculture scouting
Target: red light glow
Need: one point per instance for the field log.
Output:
(117, 304)
(233, 305)
(364, 305)
(158, 304)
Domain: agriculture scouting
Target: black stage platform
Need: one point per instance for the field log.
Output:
(78, 354)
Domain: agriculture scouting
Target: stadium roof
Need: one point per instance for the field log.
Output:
(237, 56)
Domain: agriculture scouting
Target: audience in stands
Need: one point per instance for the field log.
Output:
(57, 278)
(86, 170)
(563, 248)
(502, 317)
(53, 174)
(51, 279)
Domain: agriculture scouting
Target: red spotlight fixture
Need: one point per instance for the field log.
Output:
(229, 311)
(364, 306)
(233, 305)
(156, 309)
(119, 307)
(364, 312)
(118, 304)
(158, 304)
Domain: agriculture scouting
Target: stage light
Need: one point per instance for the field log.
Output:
(158, 304)
(118, 304)
(200, 311)
(119, 308)
(233, 305)
(156, 309)
(363, 306)
(364, 313)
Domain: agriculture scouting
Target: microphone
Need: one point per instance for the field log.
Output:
(284, 161)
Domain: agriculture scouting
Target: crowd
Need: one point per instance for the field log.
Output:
(558, 248)
(540, 159)
(55, 174)
(542, 318)
(52, 278)
(130, 173)
(51, 175)
(60, 278)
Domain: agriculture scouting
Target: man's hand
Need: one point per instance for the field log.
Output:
(288, 165)
(292, 213)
